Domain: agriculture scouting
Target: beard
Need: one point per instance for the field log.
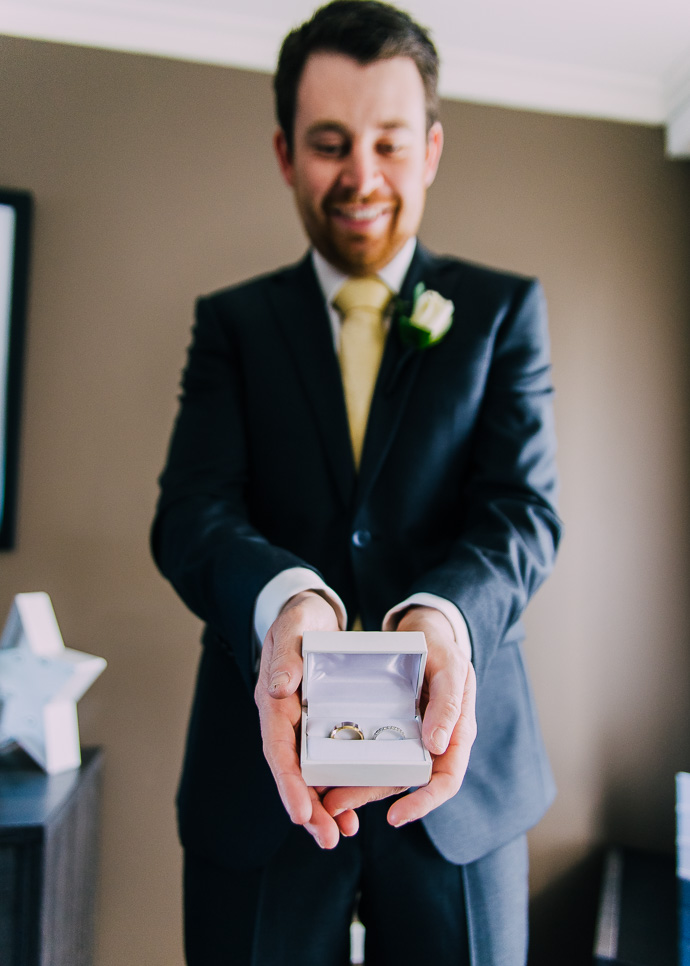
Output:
(355, 249)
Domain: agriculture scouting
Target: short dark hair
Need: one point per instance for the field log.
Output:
(365, 30)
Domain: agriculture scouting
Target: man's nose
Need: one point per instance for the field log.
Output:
(361, 172)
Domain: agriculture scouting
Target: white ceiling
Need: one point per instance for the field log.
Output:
(626, 60)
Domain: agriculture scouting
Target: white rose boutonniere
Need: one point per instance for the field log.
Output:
(431, 317)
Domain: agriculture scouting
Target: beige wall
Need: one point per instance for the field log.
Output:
(153, 182)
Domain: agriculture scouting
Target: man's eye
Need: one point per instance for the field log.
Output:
(329, 149)
(390, 148)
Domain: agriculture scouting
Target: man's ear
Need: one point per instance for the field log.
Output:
(434, 147)
(284, 155)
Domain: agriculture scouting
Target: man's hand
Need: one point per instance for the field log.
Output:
(448, 728)
(280, 711)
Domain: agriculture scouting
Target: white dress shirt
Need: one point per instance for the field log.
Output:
(293, 581)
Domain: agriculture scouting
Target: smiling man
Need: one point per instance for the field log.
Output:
(360, 158)
(335, 466)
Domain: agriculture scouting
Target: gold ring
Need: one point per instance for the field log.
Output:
(357, 733)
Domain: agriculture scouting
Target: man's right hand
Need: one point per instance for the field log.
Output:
(277, 696)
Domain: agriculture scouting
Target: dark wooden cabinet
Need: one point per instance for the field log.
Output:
(48, 861)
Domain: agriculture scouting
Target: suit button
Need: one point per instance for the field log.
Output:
(361, 538)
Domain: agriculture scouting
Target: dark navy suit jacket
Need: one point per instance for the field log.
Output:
(455, 496)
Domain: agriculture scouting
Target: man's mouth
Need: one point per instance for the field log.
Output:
(360, 215)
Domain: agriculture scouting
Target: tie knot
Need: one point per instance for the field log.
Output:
(368, 294)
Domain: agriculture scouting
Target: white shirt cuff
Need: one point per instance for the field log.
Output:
(285, 585)
(447, 608)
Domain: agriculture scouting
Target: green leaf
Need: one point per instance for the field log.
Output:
(412, 335)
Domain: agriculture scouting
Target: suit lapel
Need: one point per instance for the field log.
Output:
(299, 308)
(399, 368)
(301, 314)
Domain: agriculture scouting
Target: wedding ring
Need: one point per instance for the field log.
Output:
(355, 733)
(394, 733)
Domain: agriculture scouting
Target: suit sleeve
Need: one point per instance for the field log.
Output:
(509, 529)
(202, 538)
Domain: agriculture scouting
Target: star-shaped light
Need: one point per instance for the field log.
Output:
(40, 683)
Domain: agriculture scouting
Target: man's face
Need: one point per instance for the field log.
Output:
(362, 159)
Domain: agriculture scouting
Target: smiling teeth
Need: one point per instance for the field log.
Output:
(362, 214)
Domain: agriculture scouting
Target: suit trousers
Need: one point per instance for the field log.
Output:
(416, 906)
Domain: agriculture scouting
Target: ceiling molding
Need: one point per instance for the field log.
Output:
(166, 29)
(556, 88)
(172, 28)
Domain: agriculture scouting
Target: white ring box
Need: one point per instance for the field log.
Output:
(372, 678)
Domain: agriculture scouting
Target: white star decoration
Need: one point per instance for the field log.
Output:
(40, 682)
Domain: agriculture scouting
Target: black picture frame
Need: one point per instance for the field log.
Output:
(16, 212)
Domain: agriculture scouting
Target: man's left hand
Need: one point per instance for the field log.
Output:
(448, 724)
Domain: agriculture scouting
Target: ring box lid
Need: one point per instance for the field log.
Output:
(349, 673)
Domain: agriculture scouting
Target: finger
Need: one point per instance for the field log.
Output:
(280, 751)
(321, 826)
(347, 822)
(294, 796)
(448, 769)
(339, 800)
(444, 707)
(445, 782)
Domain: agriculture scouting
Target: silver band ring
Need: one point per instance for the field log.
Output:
(356, 734)
(393, 730)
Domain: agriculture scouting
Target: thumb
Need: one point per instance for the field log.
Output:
(285, 666)
(442, 711)
(282, 655)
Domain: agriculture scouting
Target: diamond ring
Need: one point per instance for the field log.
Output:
(389, 732)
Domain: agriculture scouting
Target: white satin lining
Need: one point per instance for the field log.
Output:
(341, 686)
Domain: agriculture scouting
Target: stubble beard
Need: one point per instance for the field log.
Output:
(355, 253)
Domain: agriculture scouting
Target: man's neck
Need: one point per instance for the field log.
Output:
(393, 274)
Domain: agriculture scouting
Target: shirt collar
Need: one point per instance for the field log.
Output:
(393, 274)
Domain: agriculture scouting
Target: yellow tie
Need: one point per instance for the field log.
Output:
(362, 302)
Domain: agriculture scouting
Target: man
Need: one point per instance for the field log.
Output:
(280, 514)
